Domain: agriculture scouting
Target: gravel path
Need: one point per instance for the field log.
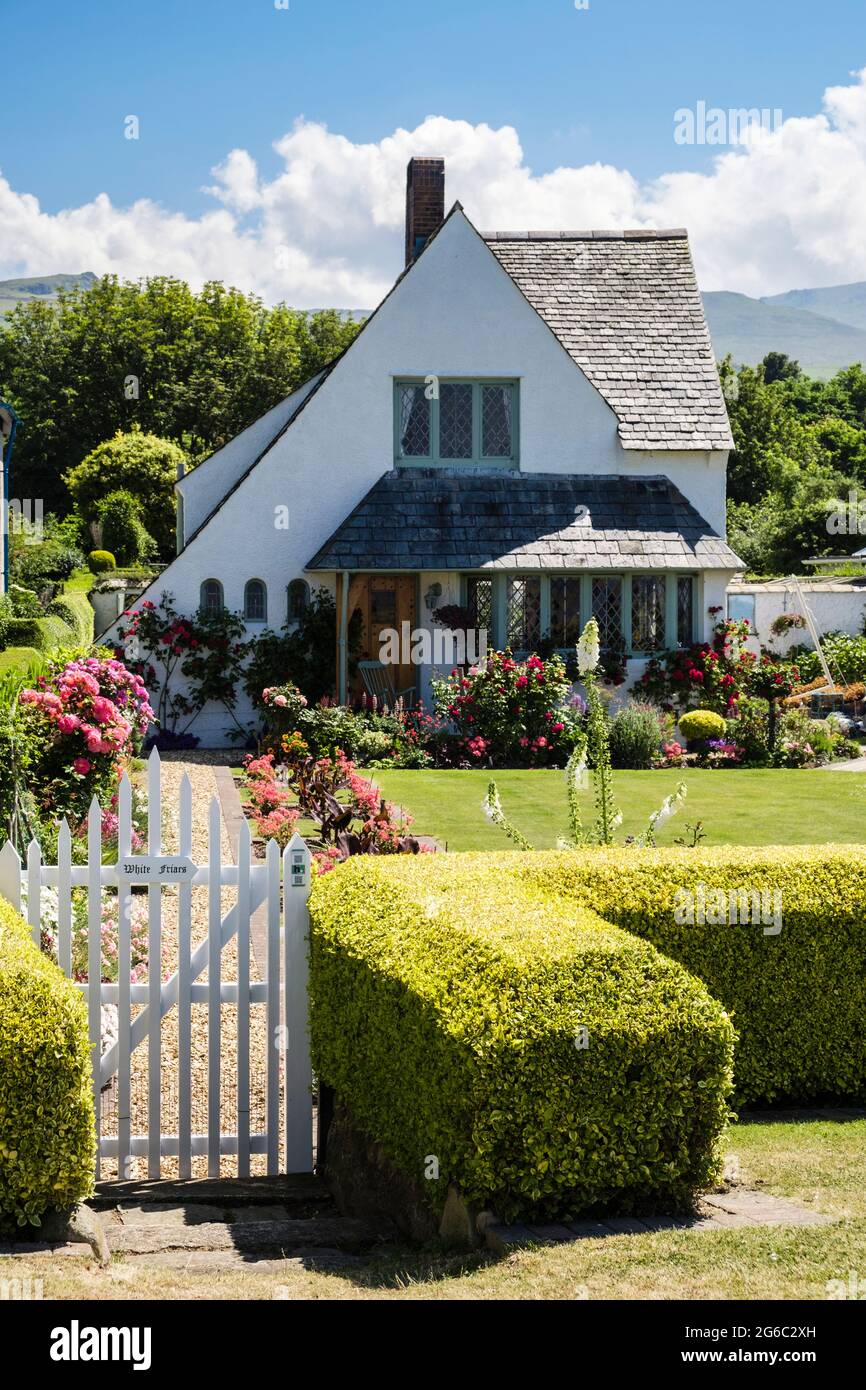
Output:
(200, 768)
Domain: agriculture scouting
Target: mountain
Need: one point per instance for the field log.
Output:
(43, 287)
(824, 329)
(821, 342)
(844, 303)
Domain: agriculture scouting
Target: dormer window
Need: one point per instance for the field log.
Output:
(448, 422)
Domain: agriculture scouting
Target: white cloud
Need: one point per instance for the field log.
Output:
(783, 209)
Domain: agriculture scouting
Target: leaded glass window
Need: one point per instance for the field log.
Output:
(255, 602)
(685, 611)
(455, 420)
(647, 613)
(523, 614)
(414, 422)
(479, 601)
(565, 611)
(451, 422)
(496, 421)
(211, 598)
(607, 609)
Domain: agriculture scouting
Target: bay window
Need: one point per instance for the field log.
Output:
(639, 614)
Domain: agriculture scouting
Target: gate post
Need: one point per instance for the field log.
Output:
(297, 864)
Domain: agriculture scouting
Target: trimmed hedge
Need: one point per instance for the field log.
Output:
(68, 622)
(797, 998)
(74, 608)
(47, 1135)
(447, 1004)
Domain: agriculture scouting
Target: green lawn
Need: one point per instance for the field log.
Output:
(744, 807)
(820, 1163)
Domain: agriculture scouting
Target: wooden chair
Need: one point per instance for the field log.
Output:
(377, 681)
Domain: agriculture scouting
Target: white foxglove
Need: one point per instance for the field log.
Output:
(588, 648)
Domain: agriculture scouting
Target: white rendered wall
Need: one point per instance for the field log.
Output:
(457, 313)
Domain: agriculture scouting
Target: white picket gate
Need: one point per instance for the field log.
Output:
(282, 993)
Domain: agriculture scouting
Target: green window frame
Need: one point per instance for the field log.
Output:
(431, 414)
(548, 600)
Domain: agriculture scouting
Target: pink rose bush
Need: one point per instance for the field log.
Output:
(83, 719)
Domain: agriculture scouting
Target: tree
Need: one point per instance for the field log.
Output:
(137, 463)
(195, 368)
(778, 366)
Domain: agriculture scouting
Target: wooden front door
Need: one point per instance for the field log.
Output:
(385, 601)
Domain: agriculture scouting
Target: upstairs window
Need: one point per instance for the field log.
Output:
(451, 422)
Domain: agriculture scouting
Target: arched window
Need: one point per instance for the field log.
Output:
(299, 598)
(255, 602)
(212, 598)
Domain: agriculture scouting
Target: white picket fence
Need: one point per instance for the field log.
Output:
(286, 1138)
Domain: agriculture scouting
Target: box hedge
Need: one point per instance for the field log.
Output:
(797, 997)
(448, 1009)
(47, 1136)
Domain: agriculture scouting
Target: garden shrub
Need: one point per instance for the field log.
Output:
(47, 1135)
(845, 654)
(636, 732)
(100, 561)
(6, 616)
(142, 464)
(34, 566)
(797, 999)
(123, 531)
(25, 602)
(510, 713)
(702, 724)
(448, 1003)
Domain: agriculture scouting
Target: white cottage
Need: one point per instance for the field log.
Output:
(529, 426)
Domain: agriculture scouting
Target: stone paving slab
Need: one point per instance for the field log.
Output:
(715, 1211)
(245, 1236)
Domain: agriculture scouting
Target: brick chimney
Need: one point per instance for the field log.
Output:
(425, 203)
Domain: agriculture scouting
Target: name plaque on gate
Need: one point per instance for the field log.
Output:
(156, 868)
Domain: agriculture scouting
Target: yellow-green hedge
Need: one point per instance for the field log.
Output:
(447, 1003)
(797, 997)
(47, 1136)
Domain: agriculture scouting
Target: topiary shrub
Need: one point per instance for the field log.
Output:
(549, 1061)
(75, 610)
(701, 724)
(636, 733)
(797, 995)
(137, 463)
(47, 1136)
(123, 532)
(100, 561)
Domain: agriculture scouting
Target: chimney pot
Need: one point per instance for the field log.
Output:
(425, 203)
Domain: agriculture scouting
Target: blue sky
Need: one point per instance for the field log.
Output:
(209, 76)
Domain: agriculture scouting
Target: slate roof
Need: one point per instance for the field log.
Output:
(626, 307)
(430, 518)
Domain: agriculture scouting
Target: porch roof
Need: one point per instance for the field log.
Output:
(450, 519)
